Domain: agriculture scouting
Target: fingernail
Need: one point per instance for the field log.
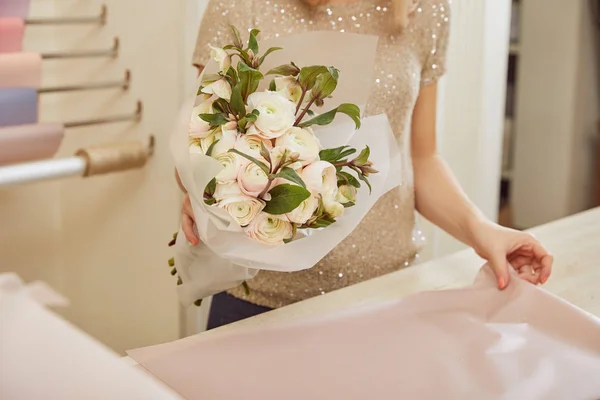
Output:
(501, 283)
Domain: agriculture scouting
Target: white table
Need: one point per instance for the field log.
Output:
(574, 241)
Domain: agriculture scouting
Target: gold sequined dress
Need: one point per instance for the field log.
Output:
(386, 240)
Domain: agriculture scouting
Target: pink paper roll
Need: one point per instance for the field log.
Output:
(14, 8)
(29, 142)
(12, 30)
(20, 70)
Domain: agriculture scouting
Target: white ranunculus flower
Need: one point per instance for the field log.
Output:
(199, 128)
(227, 138)
(252, 179)
(221, 57)
(220, 88)
(320, 177)
(304, 211)
(269, 229)
(243, 209)
(207, 141)
(230, 163)
(195, 147)
(333, 208)
(288, 87)
(302, 141)
(226, 190)
(276, 114)
(346, 194)
(251, 144)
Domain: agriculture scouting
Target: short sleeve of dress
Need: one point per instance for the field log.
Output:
(434, 66)
(215, 28)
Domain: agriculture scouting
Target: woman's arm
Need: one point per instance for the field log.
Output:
(440, 199)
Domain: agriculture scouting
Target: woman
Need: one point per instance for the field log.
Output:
(410, 60)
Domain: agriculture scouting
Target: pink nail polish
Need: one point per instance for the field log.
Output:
(501, 283)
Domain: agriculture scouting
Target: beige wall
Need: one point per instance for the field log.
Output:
(558, 107)
(102, 241)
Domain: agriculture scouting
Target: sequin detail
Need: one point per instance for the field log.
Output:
(384, 241)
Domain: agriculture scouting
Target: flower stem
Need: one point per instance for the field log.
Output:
(300, 101)
(310, 103)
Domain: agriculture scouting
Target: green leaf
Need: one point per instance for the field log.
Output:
(365, 180)
(211, 147)
(246, 288)
(198, 303)
(285, 70)
(322, 222)
(290, 175)
(210, 201)
(210, 188)
(237, 37)
(271, 50)
(261, 164)
(350, 110)
(237, 102)
(349, 204)
(311, 113)
(253, 42)
(349, 179)
(249, 79)
(210, 78)
(334, 155)
(214, 119)
(220, 106)
(251, 117)
(285, 198)
(272, 86)
(363, 157)
(325, 84)
(232, 74)
(308, 76)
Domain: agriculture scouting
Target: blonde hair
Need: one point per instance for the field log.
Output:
(402, 10)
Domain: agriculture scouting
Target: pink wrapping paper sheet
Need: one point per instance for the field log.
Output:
(12, 31)
(29, 142)
(20, 70)
(474, 343)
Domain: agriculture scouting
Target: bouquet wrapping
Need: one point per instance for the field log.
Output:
(269, 192)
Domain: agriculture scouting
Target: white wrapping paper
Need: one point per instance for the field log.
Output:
(474, 343)
(43, 357)
(228, 257)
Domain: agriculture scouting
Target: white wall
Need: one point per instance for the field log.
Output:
(557, 111)
(471, 107)
(102, 241)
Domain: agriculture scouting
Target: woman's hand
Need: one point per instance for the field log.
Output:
(507, 248)
(188, 221)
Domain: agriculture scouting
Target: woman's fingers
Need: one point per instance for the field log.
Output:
(187, 222)
(187, 226)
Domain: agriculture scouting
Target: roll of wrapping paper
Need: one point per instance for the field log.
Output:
(116, 157)
(20, 70)
(14, 8)
(29, 142)
(12, 30)
(18, 106)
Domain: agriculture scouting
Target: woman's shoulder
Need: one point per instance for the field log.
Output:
(431, 14)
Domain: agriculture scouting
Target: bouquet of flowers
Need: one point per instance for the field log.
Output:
(276, 176)
(256, 161)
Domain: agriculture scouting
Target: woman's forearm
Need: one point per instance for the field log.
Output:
(440, 199)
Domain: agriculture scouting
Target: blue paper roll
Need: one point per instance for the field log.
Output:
(18, 106)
